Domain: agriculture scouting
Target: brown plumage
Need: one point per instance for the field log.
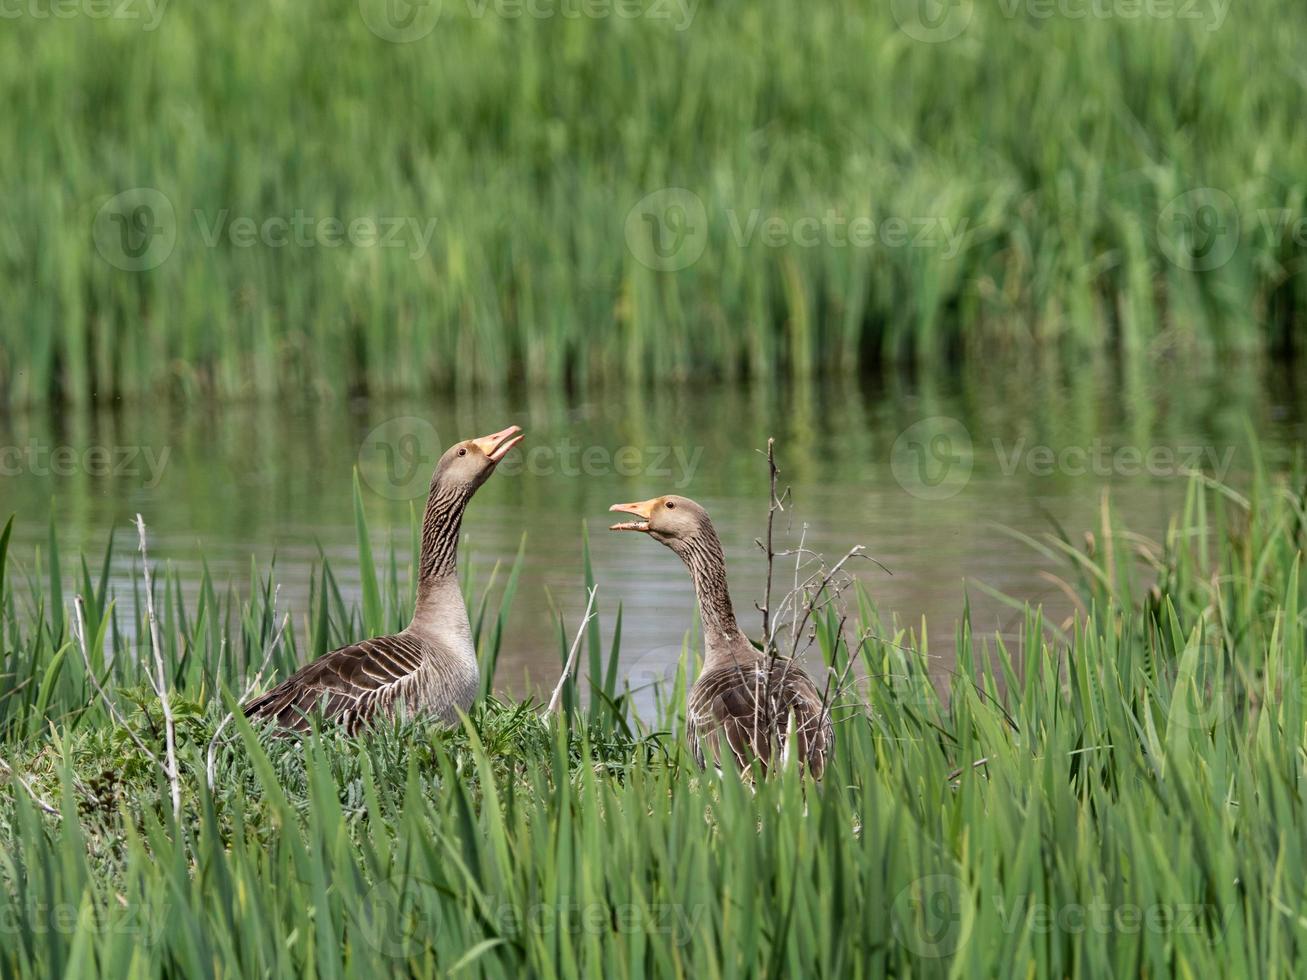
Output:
(745, 701)
(429, 667)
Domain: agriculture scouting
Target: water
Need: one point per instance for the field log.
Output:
(932, 501)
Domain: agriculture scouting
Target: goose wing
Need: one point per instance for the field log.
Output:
(735, 709)
(348, 686)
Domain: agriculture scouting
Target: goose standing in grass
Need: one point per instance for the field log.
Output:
(428, 668)
(750, 701)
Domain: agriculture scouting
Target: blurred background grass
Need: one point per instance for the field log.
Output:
(1059, 144)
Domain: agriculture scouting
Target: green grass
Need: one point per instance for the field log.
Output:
(1123, 796)
(1057, 143)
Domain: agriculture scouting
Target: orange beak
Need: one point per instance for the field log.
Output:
(643, 509)
(496, 446)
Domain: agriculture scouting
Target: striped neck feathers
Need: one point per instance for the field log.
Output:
(703, 556)
(441, 525)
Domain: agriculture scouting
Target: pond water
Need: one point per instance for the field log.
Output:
(929, 475)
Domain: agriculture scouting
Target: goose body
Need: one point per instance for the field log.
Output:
(756, 705)
(430, 667)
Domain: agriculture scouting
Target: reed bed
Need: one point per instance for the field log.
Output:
(1107, 181)
(1118, 795)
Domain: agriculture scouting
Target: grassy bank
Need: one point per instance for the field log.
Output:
(1071, 181)
(1120, 795)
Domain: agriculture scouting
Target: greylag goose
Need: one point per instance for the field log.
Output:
(429, 667)
(744, 699)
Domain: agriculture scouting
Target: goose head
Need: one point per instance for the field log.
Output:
(671, 520)
(469, 463)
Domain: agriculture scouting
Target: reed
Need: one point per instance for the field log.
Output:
(1116, 795)
(1052, 172)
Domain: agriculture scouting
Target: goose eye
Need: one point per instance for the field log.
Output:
(462, 450)
(670, 505)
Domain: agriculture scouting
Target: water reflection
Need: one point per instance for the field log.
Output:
(1039, 444)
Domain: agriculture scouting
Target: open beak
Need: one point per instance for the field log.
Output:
(496, 446)
(642, 509)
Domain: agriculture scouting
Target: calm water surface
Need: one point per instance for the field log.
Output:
(929, 476)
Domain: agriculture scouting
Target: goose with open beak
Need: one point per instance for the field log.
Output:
(745, 701)
(429, 667)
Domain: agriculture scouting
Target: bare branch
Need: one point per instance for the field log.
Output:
(160, 680)
(570, 666)
(773, 505)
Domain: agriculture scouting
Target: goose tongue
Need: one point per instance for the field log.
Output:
(630, 526)
(642, 509)
(497, 445)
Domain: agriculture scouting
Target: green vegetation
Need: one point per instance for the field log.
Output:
(1122, 795)
(1058, 149)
